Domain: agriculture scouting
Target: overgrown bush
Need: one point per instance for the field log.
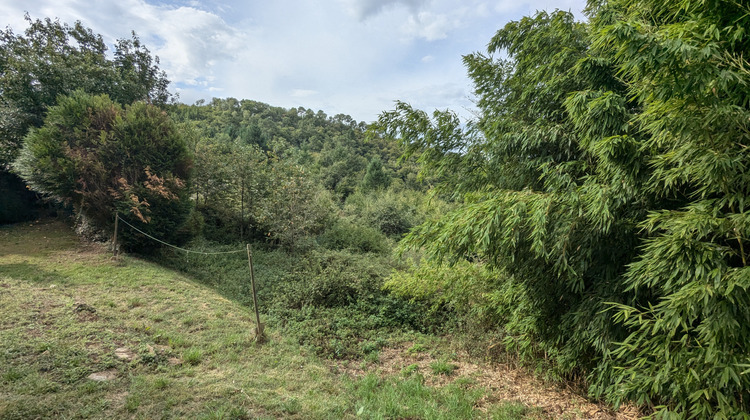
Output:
(295, 209)
(345, 235)
(466, 290)
(390, 212)
(330, 279)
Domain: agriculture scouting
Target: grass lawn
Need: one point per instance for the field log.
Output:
(86, 336)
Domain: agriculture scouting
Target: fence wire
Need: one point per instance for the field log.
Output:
(188, 251)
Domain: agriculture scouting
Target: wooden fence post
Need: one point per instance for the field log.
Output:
(114, 239)
(259, 336)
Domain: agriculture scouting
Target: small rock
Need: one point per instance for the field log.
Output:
(106, 375)
(124, 353)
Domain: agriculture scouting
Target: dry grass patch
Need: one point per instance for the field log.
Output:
(504, 383)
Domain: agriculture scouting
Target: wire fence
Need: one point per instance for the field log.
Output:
(188, 251)
(259, 334)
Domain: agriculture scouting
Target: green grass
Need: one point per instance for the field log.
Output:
(65, 308)
(441, 367)
(389, 398)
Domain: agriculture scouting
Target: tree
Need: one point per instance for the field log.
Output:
(375, 176)
(295, 207)
(99, 157)
(686, 66)
(51, 59)
(606, 174)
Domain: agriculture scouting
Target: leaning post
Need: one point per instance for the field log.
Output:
(259, 337)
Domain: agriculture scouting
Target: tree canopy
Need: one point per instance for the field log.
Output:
(51, 59)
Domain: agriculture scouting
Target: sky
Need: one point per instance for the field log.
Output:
(354, 57)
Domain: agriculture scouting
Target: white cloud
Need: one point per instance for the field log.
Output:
(429, 26)
(353, 57)
(194, 42)
(303, 93)
(363, 9)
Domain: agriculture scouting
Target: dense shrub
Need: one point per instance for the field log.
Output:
(467, 290)
(295, 210)
(390, 212)
(330, 279)
(345, 235)
(100, 158)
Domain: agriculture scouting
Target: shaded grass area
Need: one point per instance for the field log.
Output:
(330, 301)
(169, 347)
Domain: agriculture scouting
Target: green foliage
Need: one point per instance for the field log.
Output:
(296, 209)
(375, 176)
(688, 347)
(51, 59)
(230, 181)
(390, 212)
(465, 290)
(279, 174)
(344, 235)
(98, 157)
(329, 279)
(606, 175)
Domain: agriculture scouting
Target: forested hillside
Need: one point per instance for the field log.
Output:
(288, 174)
(590, 223)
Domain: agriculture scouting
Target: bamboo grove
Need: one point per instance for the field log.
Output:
(604, 185)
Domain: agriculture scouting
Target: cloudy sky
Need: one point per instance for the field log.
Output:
(353, 57)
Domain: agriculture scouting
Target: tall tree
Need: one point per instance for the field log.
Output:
(687, 67)
(375, 176)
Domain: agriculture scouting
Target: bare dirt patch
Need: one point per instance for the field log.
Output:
(504, 382)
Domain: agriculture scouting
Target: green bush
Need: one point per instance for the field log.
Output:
(330, 279)
(295, 210)
(390, 212)
(344, 235)
(463, 288)
(100, 158)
